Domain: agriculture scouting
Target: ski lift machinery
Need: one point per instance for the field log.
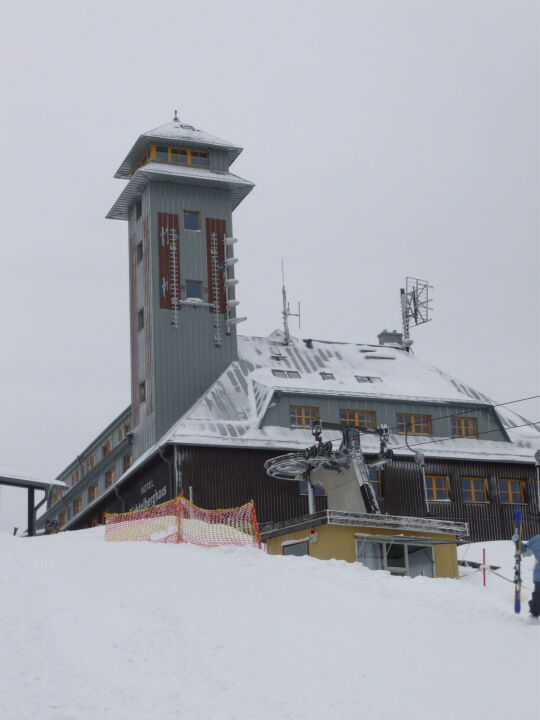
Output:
(343, 473)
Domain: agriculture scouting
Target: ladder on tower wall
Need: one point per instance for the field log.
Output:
(174, 277)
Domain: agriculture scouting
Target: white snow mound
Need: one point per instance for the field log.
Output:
(146, 631)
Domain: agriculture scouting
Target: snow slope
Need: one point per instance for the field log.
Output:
(137, 630)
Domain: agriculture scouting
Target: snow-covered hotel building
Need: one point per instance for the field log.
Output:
(208, 406)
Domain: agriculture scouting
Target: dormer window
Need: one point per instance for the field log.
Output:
(291, 374)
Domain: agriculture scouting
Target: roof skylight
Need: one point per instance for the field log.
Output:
(367, 379)
(286, 373)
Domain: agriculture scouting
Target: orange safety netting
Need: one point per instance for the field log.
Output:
(179, 521)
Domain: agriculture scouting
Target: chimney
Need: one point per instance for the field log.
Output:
(390, 337)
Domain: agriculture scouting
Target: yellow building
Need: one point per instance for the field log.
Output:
(402, 545)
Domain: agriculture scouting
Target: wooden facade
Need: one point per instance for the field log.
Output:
(228, 477)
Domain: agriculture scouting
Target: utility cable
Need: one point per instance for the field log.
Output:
(475, 409)
(485, 432)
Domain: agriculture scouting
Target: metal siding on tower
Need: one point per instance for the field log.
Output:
(149, 350)
(185, 359)
(133, 326)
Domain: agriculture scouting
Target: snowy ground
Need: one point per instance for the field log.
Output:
(91, 630)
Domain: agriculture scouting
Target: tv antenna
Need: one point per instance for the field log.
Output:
(286, 312)
(415, 305)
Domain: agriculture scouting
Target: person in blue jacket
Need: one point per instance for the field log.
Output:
(533, 548)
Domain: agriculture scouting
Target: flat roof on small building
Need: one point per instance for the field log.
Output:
(373, 521)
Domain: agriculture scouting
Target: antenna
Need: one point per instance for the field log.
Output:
(286, 312)
(415, 305)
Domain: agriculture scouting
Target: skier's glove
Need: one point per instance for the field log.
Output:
(515, 538)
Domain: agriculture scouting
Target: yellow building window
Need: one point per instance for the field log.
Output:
(413, 424)
(175, 156)
(359, 418)
(437, 487)
(109, 477)
(127, 461)
(375, 478)
(464, 427)
(77, 505)
(474, 489)
(123, 432)
(302, 416)
(57, 494)
(511, 491)
(106, 447)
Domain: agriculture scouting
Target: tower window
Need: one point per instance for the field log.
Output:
(139, 251)
(142, 391)
(140, 319)
(176, 156)
(179, 157)
(199, 158)
(191, 220)
(138, 209)
(194, 289)
(162, 153)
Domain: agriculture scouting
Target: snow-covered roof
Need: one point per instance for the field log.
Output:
(11, 477)
(182, 174)
(231, 412)
(175, 131)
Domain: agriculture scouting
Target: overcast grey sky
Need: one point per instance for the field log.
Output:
(386, 138)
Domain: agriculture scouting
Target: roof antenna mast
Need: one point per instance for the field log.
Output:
(286, 312)
(415, 305)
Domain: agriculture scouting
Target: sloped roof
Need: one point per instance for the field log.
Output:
(232, 411)
(175, 131)
(183, 175)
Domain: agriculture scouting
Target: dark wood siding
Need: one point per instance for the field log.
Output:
(223, 478)
(228, 477)
(403, 494)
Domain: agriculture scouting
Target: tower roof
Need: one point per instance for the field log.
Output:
(177, 174)
(175, 131)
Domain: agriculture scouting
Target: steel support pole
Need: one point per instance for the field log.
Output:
(31, 513)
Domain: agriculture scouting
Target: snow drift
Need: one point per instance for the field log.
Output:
(133, 630)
